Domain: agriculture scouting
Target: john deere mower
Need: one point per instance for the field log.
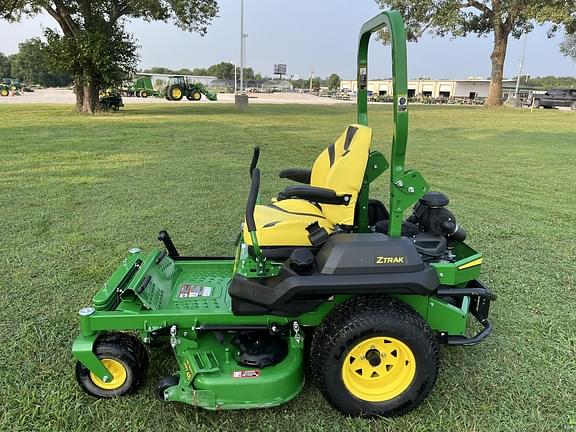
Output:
(110, 99)
(326, 282)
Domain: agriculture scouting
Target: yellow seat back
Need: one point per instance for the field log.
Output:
(341, 168)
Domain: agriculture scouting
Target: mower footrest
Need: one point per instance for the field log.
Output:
(204, 362)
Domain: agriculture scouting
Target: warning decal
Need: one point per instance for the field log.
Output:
(188, 291)
(246, 374)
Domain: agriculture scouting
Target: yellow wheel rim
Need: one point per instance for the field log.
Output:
(4, 92)
(117, 369)
(378, 369)
(176, 93)
(196, 96)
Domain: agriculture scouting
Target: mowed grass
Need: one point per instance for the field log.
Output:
(77, 191)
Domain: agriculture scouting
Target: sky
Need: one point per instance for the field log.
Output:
(314, 35)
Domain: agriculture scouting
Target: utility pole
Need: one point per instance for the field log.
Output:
(521, 65)
(235, 77)
(242, 37)
(241, 99)
(311, 75)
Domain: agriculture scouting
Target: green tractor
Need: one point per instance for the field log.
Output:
(326, 282)
(8, 85)
(180, 86)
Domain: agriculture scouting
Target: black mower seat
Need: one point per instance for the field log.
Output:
(329, 200)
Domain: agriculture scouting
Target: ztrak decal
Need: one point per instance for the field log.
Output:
(390, 260)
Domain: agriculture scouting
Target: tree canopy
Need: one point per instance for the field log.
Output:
(32, 65)
(568, 46)
(91, 42)
(501, 18)
(334, 82)
(5, 66)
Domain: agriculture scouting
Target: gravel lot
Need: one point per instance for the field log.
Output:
(65, 96)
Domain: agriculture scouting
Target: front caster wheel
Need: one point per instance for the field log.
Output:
(374, 356)
(163, 384)
(125, 357)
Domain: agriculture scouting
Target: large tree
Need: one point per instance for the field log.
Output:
(334, 82)
(91, 42)
(32, 65)
(501, 18)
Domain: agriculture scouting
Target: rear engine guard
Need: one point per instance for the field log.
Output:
(480, 298)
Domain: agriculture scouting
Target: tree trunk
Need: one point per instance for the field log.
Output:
(87, 100)
(79, 92)
(498, 57)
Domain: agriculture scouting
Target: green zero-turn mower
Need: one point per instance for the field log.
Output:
(325, 280)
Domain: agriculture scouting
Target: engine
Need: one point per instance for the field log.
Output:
(431, 215)
(432, 227)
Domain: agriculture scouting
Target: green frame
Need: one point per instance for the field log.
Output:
(406, 186)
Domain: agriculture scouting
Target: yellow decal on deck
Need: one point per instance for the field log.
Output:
(189, 372)
(474, 263)
(390, 260)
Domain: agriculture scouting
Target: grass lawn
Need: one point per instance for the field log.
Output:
(76, 192)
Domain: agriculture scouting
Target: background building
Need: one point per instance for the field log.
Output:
(470, 88)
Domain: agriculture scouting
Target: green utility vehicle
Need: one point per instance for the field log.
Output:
(180, 86)
(111, 100)
(325, 280)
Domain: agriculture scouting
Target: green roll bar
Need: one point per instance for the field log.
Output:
(406, 186)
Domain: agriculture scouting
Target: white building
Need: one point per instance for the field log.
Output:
(469, 88)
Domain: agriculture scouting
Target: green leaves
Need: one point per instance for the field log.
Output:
(93, 45)
(568, 47)
(462, 17)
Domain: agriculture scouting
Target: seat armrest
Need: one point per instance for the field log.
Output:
(300, 175)
(316, 194)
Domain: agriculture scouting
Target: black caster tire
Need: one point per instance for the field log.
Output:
(127, 359)
(374, 356)
(163, 384)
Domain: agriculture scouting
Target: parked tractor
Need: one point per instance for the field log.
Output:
(180, 86)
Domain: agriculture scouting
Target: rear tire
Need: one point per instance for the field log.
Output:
(374, 356)
(573, 106)
(536, 103)
(125, 356)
